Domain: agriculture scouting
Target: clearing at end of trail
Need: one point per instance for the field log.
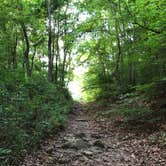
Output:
(87, 141)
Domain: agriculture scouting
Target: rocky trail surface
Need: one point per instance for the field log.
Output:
(87, 141)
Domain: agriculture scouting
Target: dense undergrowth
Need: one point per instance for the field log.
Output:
(30, 109)
(142, 111)
(140, 104)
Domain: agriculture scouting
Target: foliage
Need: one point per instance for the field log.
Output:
(125, 50)
(121, 43)
(30, 109)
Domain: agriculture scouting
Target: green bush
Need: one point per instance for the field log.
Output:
(29, 110)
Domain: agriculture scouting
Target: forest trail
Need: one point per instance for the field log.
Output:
(86, 141)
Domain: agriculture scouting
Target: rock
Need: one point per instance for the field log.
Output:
(80, 144)
(95, 150)
(99, 144)
(64, 160)
(96, 136)
(49, 149)
(87, 153)
(68, 137)
(67, 145)
(75, 144)
(80, 135)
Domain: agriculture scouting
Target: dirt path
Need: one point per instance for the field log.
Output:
(85, 142)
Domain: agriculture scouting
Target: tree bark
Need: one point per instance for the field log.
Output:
(50, 63)
(33, 57)
(26, 52)
(65, 50)
(57, 50)
(14, 52)
(119, 54)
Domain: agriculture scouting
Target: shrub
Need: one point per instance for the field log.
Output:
(29, 110)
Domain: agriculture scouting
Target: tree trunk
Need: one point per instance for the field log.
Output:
(33, 57)
(57, 51)
(63, 67)
(65, 51)
(14, 53)
(50, 63)
(119, 55)
(26, 52)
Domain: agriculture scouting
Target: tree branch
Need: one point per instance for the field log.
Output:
(147, 28)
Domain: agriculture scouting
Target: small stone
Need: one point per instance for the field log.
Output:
(81, 135)
(94, 135)
(75, 144)
(80, 144)
(49, 150)
(67, 145)
(63, 161)
(95, 150)
(87, 153)
(99, 144)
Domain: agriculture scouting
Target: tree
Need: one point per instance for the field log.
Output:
(50, 59)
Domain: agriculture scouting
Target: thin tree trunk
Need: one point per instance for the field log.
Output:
(63, 67)
(26, 52)
(115, 7)
(57, 51)
(119, 55)
(50, 63)
(33, 57)
(132, 77)
(65, 51)
(14, 53)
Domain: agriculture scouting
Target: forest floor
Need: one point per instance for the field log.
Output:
(90, 141)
